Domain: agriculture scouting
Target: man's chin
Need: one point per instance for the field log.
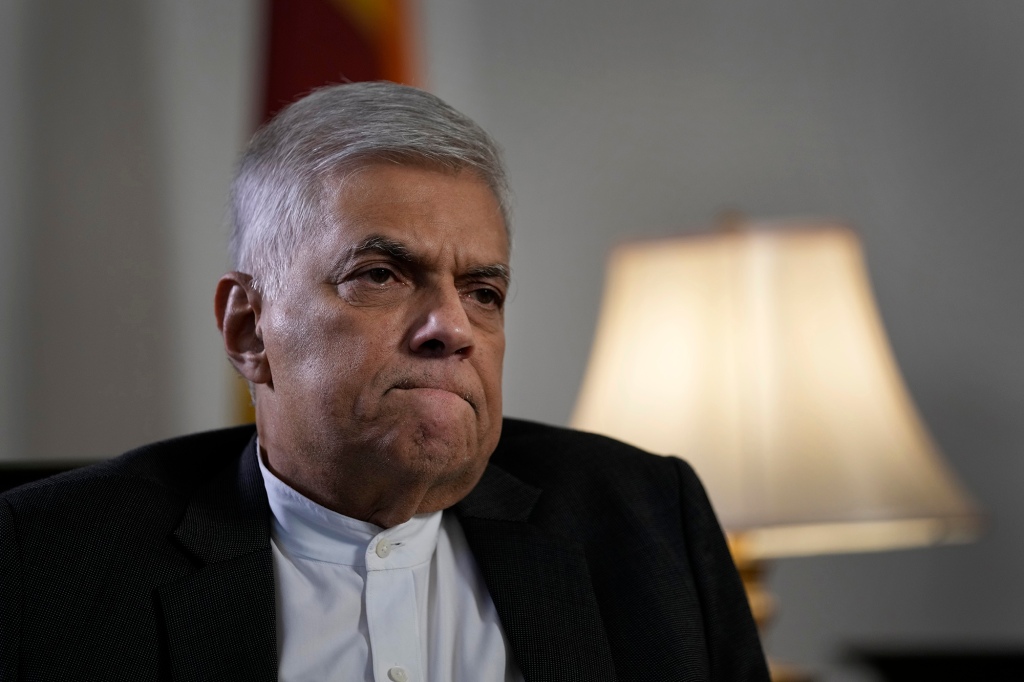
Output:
(437, 445)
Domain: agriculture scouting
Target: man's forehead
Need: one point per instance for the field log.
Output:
(374, 190)
(410, 210)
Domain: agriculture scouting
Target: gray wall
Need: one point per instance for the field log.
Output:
(647, 118)
(119, 123)
(13, 232)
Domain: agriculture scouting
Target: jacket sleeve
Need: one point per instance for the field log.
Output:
(734, 649)
(10, 596)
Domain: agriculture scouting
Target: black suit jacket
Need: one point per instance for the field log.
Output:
(605, 563)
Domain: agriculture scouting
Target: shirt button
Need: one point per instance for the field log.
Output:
(383, 550)
(398, 674)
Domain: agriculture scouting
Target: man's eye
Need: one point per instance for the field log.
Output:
(379, 275)
(487, 297)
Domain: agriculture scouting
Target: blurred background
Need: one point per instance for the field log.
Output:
(120, 122)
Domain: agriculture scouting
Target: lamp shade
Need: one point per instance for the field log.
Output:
(758, 355)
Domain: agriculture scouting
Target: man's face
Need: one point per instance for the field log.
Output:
(386, 339)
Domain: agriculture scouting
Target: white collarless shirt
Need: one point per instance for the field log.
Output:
(357, 602)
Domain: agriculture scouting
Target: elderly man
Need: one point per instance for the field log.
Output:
(382, 521)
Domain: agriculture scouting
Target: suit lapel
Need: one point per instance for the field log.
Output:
(220, 619)
(539, 582)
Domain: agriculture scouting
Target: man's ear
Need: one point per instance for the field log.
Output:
(238, 306)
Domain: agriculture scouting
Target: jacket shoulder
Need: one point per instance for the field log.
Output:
(656, 556)
(583, 474)
(176, 465)
(83, 553)
(527, 446)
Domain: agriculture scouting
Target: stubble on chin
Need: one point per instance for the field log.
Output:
(441, 449)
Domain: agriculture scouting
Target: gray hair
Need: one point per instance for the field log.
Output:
(286, 178)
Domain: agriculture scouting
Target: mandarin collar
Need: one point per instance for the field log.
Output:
(312, 531)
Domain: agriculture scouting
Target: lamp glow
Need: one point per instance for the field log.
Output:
(758, 355)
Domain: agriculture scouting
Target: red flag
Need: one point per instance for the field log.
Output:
(312, 43)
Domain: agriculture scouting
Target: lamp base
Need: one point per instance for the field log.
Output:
(784, 672)
(762, 604)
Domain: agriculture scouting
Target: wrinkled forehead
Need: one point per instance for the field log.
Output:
(334, 182)
(420, 211)
(360, 197)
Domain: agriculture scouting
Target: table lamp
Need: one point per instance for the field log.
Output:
(756, 353)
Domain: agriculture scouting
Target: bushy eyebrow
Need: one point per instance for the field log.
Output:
(375, 243)
(496, 271)
(395, 249)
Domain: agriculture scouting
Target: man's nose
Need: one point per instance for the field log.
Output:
(443, 327)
